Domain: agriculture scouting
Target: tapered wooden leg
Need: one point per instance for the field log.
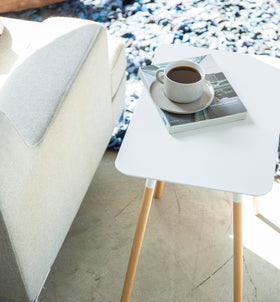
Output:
(237, 252)
(159, 189)
(256, 205)
(138, 239)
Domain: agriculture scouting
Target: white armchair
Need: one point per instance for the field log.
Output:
(61, 92)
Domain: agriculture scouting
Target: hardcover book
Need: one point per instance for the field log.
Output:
(225, 107)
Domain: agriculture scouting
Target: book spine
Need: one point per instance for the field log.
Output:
(208, 123)
(143, 78)
(147, 85)
(164, 119)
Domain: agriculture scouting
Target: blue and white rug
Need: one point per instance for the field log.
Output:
(240, 26)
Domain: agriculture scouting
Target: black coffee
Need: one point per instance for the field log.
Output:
(184, 74)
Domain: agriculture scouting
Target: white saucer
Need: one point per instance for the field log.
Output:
(159, 97)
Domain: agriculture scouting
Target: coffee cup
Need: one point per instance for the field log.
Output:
(183, 81)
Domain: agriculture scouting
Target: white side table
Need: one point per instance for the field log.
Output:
(236, 157)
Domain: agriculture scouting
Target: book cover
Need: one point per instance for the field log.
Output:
(225, 107)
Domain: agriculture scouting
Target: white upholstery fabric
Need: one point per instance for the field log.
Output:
(14, 41)
(37, 86)
(41, 187)
(10, 275)
(1, 27)
(117, 61)
(119, 100)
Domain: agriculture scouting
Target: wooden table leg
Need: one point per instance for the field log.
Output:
(159, 189)
(138, 239)
(256, 205)
(237, 252)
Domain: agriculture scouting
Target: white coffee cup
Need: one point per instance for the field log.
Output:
(178, 91)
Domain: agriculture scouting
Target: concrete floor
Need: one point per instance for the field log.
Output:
(187, 249)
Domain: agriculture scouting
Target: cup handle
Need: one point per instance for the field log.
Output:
(159, 75)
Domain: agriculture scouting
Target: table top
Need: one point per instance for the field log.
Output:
(237, 157)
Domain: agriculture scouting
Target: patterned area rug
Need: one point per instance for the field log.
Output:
(239, 26)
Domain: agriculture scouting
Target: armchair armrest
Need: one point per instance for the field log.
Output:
(36, 87)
